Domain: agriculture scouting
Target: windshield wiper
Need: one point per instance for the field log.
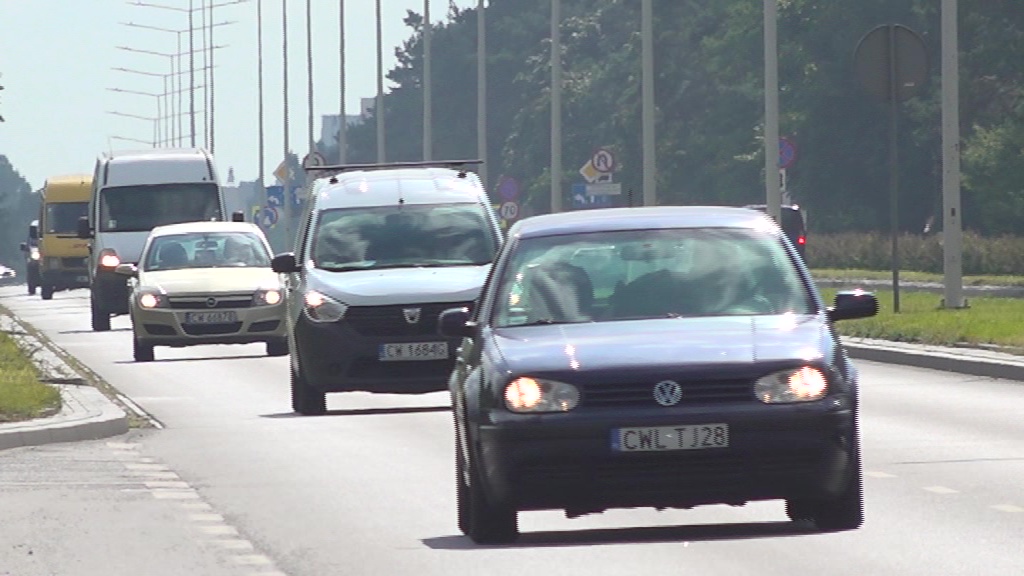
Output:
(344, 268)
(550, 321)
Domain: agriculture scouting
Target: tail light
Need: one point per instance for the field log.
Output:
(801, 240)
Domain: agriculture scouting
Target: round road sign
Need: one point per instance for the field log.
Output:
(509, 211)
(508, 189)
(787, 153)
(313, 159)
(603, 160)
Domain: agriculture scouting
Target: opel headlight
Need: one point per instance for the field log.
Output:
(33, 253)
(150, 298)
(525, 395)
(320, 307)
(800, 385)
(267, 297)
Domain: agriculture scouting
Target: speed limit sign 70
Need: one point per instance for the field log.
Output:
(509, 211)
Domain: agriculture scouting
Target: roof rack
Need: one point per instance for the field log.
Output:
(386, 165)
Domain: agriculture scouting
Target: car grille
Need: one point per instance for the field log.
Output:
(373, 369)
(391, 320)
(211, 329)
(200, 302)
(694, 391)
(72, 262)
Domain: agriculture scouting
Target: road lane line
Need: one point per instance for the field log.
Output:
(1008, 508)
(879, 474)
(941, 490)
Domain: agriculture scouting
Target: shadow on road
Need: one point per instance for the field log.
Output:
(366, 412)
(92, 331)
(694, 533)
(196, 359)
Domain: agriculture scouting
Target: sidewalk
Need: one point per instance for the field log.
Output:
(88, 413)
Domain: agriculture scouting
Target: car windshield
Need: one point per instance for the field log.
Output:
(403, 236)
(142, 208)
(206, 250)
(638, 274)
(62, 217)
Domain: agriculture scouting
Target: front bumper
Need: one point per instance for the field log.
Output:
(65, 278)
(566, 461)
(335, 357)
(171, 327)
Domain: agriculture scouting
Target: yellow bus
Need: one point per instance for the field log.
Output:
(63, 255)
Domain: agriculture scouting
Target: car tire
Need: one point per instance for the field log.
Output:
(485, 523)
(31, 288)
(277, 347)
(846, 512)
(306, 400)
(461, 489)
(46, 292)
(100, 318)
(142, 351)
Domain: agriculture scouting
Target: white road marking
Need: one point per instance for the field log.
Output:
(251, 560)
(162, 494)
(1008, 508)
(219, 530)
(206, 517)
(878, 474)
(233, 544)
(941, 490)
(196, 506)
(145, 466)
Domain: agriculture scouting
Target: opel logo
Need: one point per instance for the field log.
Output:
(211, 302)
(412, 315)
(668, 393)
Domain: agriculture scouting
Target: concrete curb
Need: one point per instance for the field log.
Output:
(86, 413)
(976, 362)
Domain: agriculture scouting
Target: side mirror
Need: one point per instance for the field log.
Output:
(24, 247)
(84, 230)
(284, 263)
(33, 232)
(454, 323)
(129, 270)
(853, 304)
(238, 216)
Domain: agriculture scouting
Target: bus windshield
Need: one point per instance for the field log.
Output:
(141, 208)
(62, 217)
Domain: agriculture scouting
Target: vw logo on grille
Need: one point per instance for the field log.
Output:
(412, 315)
(211, 302)
(668, 393)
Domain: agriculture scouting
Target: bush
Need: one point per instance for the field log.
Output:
(1002, 255)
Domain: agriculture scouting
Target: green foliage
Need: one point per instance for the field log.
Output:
(998, 255)
(18, 206)
(22, 396)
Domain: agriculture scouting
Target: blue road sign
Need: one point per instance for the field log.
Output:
(275, 196)
(787, 153)
(583, 201)
(508, 189)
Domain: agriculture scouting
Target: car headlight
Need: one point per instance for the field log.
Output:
(150, 299)
(34, 253)
(267, 297)
(525, 395)
(801, 385)
(322, 308)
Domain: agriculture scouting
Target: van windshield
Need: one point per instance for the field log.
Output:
(62, 217)
(403, 236)
(141, 208)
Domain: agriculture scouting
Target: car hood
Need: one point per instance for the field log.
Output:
(401, 285)
(210, 280)
(649, 344)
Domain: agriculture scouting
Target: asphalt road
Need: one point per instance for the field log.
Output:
(235, 484)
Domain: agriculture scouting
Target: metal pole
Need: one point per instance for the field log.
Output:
(259, 88)
(343, 127)
(309, 73)
(647, 94)
(213, 49)
(180, 109)
(206, 75)
(893, 172)
(427, 105)
(287, 184)
(378, 110)
(481, 91)
(556, 106)
(773, 197)
(952, 234)
(191, 75)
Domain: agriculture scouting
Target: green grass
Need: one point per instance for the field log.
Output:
(22, 395)
(909, 276)
(986, 321)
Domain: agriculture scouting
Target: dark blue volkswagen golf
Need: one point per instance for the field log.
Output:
(663, 357)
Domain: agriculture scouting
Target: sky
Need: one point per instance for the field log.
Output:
(82, 77)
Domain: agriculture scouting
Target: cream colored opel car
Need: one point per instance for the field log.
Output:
(205, 283)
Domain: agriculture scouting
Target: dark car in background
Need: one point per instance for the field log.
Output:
(663, 357)
(793, 224)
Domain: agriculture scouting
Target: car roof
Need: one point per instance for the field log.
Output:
(367, 188)
(653, 217)
(206, 226)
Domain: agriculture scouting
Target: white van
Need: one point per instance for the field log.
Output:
(132, 193)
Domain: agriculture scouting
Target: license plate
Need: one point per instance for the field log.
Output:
(414, 351)
(664, 438)
(222, 317)
(81, 279)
